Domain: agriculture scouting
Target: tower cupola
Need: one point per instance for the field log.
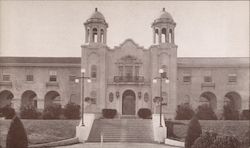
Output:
(163, 28)
(96, 28)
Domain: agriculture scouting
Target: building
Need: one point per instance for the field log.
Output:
(123, 77)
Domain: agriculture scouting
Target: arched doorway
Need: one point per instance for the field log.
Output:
(235, 100)
(29, 98)
(128, 102)
(210, 97)
(5, 98)
(52, 97)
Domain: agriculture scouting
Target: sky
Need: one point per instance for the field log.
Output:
(55, 28)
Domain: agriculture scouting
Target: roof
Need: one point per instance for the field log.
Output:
(165, 15)
(97, 15)
(69, 60)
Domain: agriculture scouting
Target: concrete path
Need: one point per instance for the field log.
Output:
(118, 145)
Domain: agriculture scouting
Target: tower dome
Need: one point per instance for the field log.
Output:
(164, 17)
(97, 15)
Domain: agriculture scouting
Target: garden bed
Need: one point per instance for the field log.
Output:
(42, 131)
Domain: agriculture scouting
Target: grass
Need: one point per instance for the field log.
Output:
(236, 128)
(42, 131)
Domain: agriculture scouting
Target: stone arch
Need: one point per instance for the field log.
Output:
(29, 98)
(6, 97)
(128, 102)
(52, 97)
(235, 99)
(157, 34)
(94, 35)
(210, 98)
(164, 35)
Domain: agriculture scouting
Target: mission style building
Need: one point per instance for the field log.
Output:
(126, 77)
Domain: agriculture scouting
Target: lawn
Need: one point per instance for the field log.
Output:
(42, 131)
(236, 128)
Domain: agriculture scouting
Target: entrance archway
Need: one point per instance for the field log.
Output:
(128, 102)
(29, 98)
(5, 98)
(235, 100)
(52, 97)
(211, 98)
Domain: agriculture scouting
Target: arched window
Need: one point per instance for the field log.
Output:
(102, 36)
(156, 35)
(163, 35)
(170, 36)
(94, 35)
(146, 97)
(93, 71)
(88, 36)
(111, 97)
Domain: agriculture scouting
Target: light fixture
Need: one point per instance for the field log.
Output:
(161, 70)
(166, 80)
(76, 80)
(139, 95)
(89, 80)
(83, 70)
(154, 81)
(117, 94)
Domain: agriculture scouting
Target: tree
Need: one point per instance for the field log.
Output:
(205, 112)
(17, 137)
(72, 111)
(184, 112)
(8, 112)
(193, 132)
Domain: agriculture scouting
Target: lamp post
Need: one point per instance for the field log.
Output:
(82, 77)
(162, 77)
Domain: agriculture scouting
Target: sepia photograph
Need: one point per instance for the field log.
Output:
(124, 74)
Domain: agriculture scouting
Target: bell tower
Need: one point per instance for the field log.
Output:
(164, 60)
(96, 29)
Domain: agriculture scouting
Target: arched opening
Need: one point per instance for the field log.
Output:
(29, 98)
(170, 36)
(94, 35)
(128, 102)
(87, 36)
(156, 36)
(51, 98)
(102, 36)
(234, 100)
(6, 98)
(93, 71)
(164, 35)
(210, 98)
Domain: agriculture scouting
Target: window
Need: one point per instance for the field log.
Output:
(186, 78)
(146, 97)
(207, 79)
(136, 70)
(53, 76)
(6, 77)
(93, 71)
(232, 78)
(129, 71)
(29, 78)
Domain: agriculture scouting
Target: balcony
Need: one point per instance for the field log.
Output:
(52, 83)
(134, 79)
(208, 84)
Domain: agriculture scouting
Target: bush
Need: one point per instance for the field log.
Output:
(52, 112)
(72, 111)
(205, 112)
(29, 112)
(225, 142)
(245, 114)
(8, 112)
(205, 140)
(246, 141)
(144, 113)
(229, 113)
(193, 132)
(109, 113)
(184, 112)
(17, 137)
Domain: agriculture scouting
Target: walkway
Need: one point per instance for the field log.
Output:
(118, 145)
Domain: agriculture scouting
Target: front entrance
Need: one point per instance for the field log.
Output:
(128, 103)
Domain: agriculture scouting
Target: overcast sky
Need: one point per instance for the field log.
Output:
(55, 28)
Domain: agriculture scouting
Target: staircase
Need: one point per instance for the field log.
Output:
(122, 130)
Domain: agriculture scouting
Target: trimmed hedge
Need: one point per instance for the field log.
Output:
(205, 140)
(184, 112)
(205, 112)
(144, 113)
(109, 113)
(229, 113)
(29, 112)
(52, 112)
(72, 111)
(8, 112)
(245, 114)
(193, 132)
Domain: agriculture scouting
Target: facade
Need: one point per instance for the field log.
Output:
(122, 77)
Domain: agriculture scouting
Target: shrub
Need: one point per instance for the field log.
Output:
(144, 113)
(246, 141)
(245, 114)
(29, 112)
(72, 111)
(109, 113)
(52, 111)
(225, 142)
(8, 112)
(193, 132)
(205, 112)
(205, 140)
(17, 137)
(229, 113)
(184, 112)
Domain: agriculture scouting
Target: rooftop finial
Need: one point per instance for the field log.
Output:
(163, 9)
(96, 9)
